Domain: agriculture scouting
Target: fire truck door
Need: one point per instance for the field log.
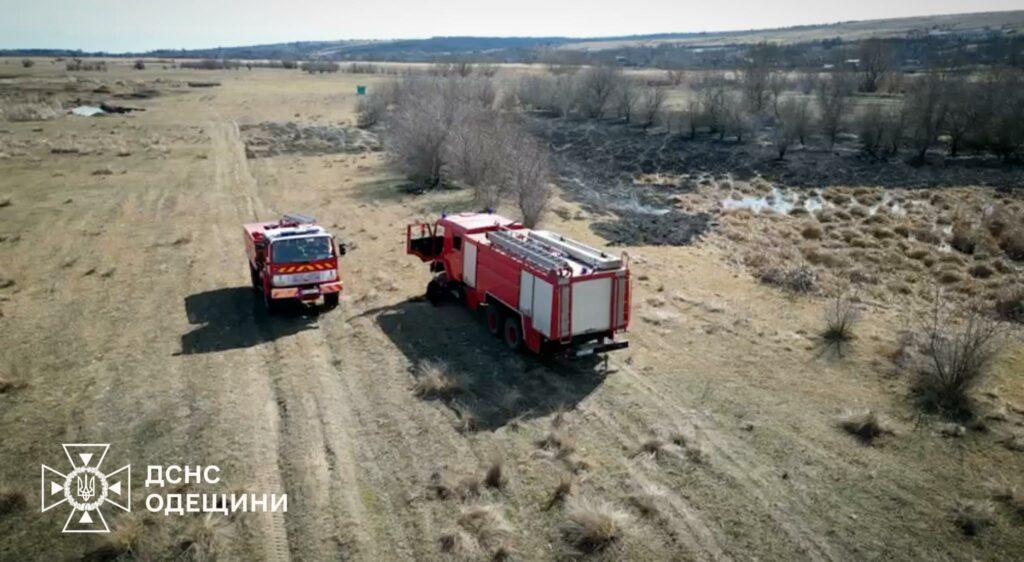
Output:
(469, 264)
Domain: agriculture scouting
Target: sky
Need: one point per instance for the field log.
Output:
(142, 25)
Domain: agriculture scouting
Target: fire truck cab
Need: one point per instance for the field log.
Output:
(293, 259)
(540, 290)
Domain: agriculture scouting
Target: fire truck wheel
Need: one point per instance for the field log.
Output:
(272, 305)
(494, 320)
(254, 276)
(433, 292)
(331, 300)
(513, 333)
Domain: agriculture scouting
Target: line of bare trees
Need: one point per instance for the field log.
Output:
(441, 130)
(960, 112)
(593, 93)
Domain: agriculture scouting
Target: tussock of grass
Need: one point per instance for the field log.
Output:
(1008, 494)
(653, 447)
(973, 516)
(487, 525)
(459, 543)
(592, 526)
(647, 499)
(562, 491)
(866, 426)
(1010, 304)
(434, 381)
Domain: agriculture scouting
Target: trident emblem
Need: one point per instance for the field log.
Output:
(87, 489)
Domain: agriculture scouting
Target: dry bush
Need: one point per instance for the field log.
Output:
(796, 278)
(200, 538)
(1010, 304)
(313, 67)
(433, 380)
(960, 351)
(973, 516)
(811, 232)
(964, 236)
(1011, 241)
(370, 110)
(460, 544)
(592, 526)
(494, 476)
(11, 501)
(841, 318)
(30, 109)
(866, 426)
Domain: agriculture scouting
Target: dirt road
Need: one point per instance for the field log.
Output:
(132, 323)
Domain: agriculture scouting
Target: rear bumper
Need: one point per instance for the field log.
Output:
(595, 348)
(306, 292)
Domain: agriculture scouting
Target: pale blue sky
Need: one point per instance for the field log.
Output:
(138, 25)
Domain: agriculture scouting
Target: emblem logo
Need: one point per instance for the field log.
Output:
(85, 488)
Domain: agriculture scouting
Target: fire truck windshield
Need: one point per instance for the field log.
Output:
(312, 248)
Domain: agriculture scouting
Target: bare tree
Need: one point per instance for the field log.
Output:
(418, 128)
(596, 86)
(755, 75)
(926, 111)
(794, 124)
(477, 144)
(881, 130)
(1005, 131)
(692, 116)
(625, 99)
(527, 176)
(875, 62)
(650, 103)
(675, 77)
(967, 110)
(833, 95)
(713, 95)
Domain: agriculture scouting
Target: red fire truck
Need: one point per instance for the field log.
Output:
(293, 259)
(538, 289)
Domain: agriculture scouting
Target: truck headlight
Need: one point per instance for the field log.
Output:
(304, 278)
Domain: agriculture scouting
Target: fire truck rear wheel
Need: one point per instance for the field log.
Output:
(433, 292)
(254, 276)
(513, 333)
(494, 320)
(331, 300)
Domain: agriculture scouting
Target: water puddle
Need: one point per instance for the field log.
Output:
(87, 110)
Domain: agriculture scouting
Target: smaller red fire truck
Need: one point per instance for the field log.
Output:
(540, 290)
(293, 259)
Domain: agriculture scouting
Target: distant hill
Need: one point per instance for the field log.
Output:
(951, 34)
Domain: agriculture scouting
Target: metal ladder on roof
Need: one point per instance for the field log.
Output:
(529, 250)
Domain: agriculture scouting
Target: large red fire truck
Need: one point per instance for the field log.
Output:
(539, 289)
(293, 259)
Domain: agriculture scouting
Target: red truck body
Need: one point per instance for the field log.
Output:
(293, 259)
(539, 289)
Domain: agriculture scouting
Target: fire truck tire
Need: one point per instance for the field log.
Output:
(434, 292)
(513, 333)
(254, 276)
(331, 300)
(272, 305)
(495, 320)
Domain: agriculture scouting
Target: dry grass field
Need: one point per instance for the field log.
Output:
(403, 431)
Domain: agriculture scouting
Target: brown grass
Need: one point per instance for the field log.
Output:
(811, 232)
(653, 447)
(1011, 241)
(841, 318)
(592, 526)
(434, 381)
(1009, 495)
(866, 426)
